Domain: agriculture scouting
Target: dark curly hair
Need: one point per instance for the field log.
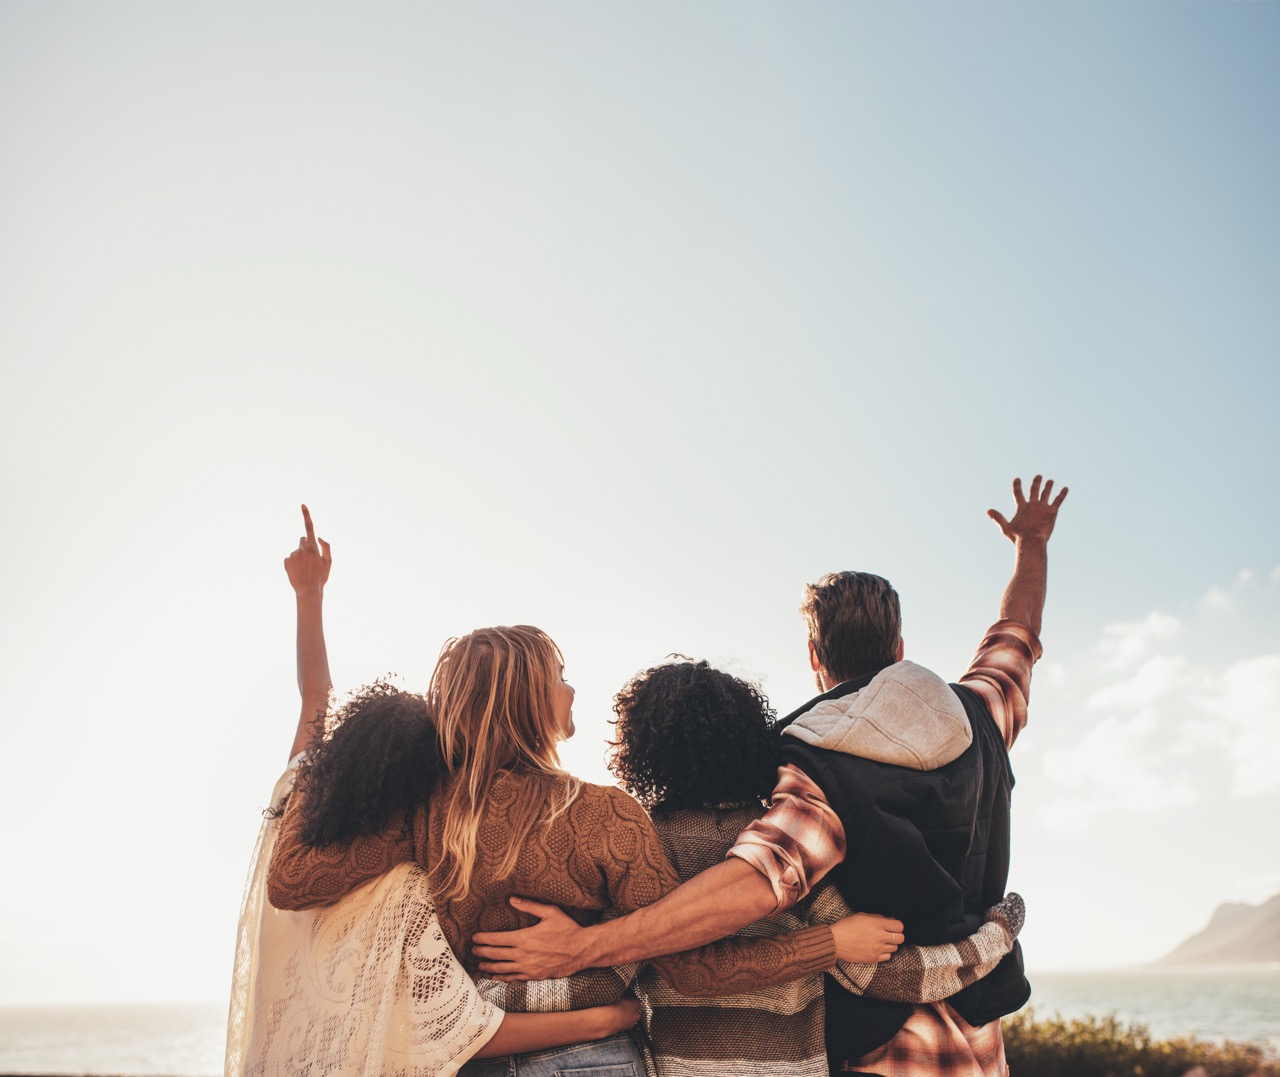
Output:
(692, 736)
(379, 757)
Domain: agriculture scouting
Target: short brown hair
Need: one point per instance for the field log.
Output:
(855, 623)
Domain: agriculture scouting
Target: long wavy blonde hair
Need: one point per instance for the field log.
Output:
(493, 697)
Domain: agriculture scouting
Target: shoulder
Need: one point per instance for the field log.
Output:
(905, 715)
(591, 804)
(610, 799)
(611, 813)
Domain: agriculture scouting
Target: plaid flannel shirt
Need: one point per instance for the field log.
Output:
(801, 838)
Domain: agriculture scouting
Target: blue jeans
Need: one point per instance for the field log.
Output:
(618, 1056)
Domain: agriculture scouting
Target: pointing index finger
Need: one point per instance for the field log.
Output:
(311, 528)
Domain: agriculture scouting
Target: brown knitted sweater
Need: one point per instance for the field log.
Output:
(602, 854)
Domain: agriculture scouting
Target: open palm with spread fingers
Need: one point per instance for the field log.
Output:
(1034, 515)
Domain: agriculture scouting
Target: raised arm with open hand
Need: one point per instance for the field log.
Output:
(1029, 531)
(1033, 516)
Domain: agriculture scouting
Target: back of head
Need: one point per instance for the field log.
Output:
(378, 759)
(855, 623)
(691, 736)
(492, 696)
(491, 693)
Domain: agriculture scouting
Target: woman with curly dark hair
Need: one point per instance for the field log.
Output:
(698, 748)
(689, 736)
(503, 819)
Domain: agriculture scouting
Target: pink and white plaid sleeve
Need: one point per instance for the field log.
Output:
(797, 841)
(1001, 674)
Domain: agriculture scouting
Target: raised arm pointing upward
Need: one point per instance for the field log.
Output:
(308, 570)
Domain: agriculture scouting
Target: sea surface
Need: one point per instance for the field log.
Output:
(1239, 1003)
(187, 1041)
(177, 1041)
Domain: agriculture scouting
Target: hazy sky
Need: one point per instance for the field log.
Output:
(627, 320)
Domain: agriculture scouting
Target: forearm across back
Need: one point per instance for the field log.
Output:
(520, 1033)
(302, 876)
(661, 916)
(589, 987)
(921, 974)
(666, 918)
(732, 966)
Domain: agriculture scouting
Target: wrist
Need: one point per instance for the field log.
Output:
(589, 951)
(1031, 542)
(609, 1021)
(309, 596)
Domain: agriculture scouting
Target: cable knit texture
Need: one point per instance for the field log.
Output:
(602, 854)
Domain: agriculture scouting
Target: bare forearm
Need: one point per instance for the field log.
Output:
(1024, 598)
(520, 1033)
(314, 681)
(719, 902)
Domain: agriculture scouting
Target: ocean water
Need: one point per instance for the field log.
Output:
(1222, 1003)
(187, 1041)
(175, 1041)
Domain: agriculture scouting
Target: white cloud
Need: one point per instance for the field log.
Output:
(1275, 574)
(1155, 679)
(1164, 729)
(1124, 645)
(1069, 815)
(1217, 599)
(1159, 729)
(1121, 765)
(1054, 675)
(1246, 700)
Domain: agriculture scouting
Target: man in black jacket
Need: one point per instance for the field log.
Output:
(925, 838)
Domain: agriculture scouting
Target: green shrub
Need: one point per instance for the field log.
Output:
(1103, 1047)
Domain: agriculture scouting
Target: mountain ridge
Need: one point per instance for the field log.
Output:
(1237, 934)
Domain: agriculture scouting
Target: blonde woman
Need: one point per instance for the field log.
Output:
(505, 821)
(367, 987)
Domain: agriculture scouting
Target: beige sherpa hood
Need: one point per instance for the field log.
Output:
(907, 716)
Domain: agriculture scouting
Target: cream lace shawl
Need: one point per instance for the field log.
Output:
(365, 988)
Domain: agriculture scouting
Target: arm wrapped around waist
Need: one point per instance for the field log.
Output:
(926, 973)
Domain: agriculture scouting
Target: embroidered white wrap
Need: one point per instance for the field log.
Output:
(365, 988)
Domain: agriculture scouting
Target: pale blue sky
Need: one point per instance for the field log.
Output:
(627, 320)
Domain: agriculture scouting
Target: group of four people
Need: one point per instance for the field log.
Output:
(386, 928)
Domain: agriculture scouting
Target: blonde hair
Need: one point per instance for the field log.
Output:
(493, 698)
